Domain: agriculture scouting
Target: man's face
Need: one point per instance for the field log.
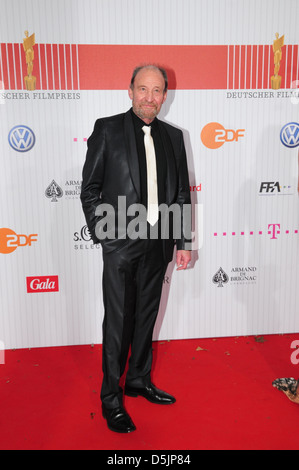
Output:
(148, 94)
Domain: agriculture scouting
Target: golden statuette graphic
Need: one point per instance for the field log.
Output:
(28, 43)
(277, 46)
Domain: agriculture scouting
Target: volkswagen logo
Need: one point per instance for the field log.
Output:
(21, 138)
(289, 135)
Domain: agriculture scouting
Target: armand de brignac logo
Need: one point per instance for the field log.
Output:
(54, 191)
(220, 277)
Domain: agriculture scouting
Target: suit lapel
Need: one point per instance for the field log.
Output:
(171, 177)
(132, 152)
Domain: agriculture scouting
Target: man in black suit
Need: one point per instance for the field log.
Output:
(129, 172)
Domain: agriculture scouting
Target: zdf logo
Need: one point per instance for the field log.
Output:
(10, 241)
(214, 135)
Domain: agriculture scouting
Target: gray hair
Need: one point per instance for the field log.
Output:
(150, 66)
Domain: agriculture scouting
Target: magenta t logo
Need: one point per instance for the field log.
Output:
(274, 231)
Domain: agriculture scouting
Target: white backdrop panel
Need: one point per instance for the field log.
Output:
(251, 234)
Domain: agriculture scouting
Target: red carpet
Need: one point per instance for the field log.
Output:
(50, 398)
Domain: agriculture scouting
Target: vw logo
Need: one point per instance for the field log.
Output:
(21, 138)
(289, 135)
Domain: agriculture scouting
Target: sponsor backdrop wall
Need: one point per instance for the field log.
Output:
(65, 63)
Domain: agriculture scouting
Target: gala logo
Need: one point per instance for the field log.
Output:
(42, 284)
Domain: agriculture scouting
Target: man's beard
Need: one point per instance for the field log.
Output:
(149, 113)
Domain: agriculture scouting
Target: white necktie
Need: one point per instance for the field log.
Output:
(152, 191)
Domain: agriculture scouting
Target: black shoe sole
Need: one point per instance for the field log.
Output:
(135, 394)
(116, 429)
(120, 432)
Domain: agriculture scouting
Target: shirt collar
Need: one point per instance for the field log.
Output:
(139, 123)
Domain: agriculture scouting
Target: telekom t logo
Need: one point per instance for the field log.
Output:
(274, 231)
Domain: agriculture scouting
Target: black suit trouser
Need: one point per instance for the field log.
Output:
(132, 285)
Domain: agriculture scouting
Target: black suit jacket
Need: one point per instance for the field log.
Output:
(111, 170)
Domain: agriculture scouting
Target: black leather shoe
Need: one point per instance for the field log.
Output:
(118, 419)
(151, 393)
